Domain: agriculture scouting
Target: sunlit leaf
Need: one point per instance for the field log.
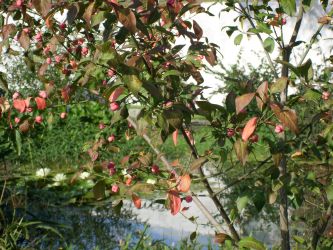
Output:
(242, 101)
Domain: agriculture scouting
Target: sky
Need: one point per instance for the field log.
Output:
(251, 47)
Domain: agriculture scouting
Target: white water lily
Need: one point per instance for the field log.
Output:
(151, 181)
(43, 172)
(84, 175)
(59, 177)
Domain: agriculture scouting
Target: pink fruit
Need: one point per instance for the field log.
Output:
(111, 72)
(16, 95)
(101, 126)
(155, 169)
(63, 115)
(114, 106)
(115, 188)
(326, 95)
(104, 82)
(39, 119)
(39, 37)
(43, 94)
(26, 30)
(230, 132)
(111, 165)
(279, 129)
(48, 60)
(111, 138)
(29, 110)
(254, 138)
(62, 26)
(57, 59)
(19, 3)
(188, 198)
(46, 50)
(112, 171)
(84, 51)
(284, 21)
(17, 120)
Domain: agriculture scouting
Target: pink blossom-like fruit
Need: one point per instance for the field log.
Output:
(111, 165)
(115, 188)
(63, 115)
(43, 94)
(57, 59)
(84, 51)
(279, 128)
(111, 72)
(114, 106)
(112, 171)
(283, 21)
(48, 60)
(325, 95)
(155, 169)
(230, 132)
(29, 109)
(19, 3)
(39, 37)
(188, 198)
(26, 30)
(111, 138)
(254, 138)
(62, 26)
(101, 126)
(17, 120)
(16, 95)
(39, 119)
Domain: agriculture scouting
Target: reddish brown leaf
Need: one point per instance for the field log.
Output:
(242, 101)
(88, 13)
(24, 40)
(175, 137)
(136, 200)
(41, 103)
(93, 154)
(127, 18)
(42, 69)
(24, 127)
(249, 128)
(184, 183)
(241, 151)
(7, 30)
(197, 30)
(324, 20)
(220, 238)
(211, 56)
(286, 116)
(124, 160)
(262, 95)
(42, 6)
(175, 201)
(19, 105)
(65, 93)
(115, 94)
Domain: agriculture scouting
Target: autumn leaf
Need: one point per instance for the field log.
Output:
(136, 200)
(42, 6)
(262, 95)
(174, 201)
(184, 183)
(24, 40)
(175, 137)
(197, 30)
(242, 101)
(25, 126)
(241, 151)
(115, 94)
(93, 154)
(127, 18)
(249, 128)
(19, 105)
(41, 103)
(286, 116)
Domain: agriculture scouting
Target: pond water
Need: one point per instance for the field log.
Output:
(86, 227)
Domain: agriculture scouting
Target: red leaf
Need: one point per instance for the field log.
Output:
(197, 30)
(127, 18)
(249, 128)
(262, 97)
(184, 183)
(19, 105)
(41, 103)
(286, 116)
(242, 101)
(115, 94)
(175, 201)
(175, 137)
(136, 200)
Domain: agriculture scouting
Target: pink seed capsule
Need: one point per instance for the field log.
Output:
(279, 129)
(115, 188)
(39, 119)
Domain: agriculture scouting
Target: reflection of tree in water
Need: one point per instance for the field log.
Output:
(82, 226)
(85, 227)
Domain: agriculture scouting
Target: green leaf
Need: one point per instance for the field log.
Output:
(97, 18)
(133, 82)
(288, 6)
(99, 190)
(279, 85)
(312, 95)
(251, 243)
(171, 73)
(242, 202)
(197, 163)
(269, 44)
(329, 192)
(238, 39)
(241, 151)
(18, 140)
